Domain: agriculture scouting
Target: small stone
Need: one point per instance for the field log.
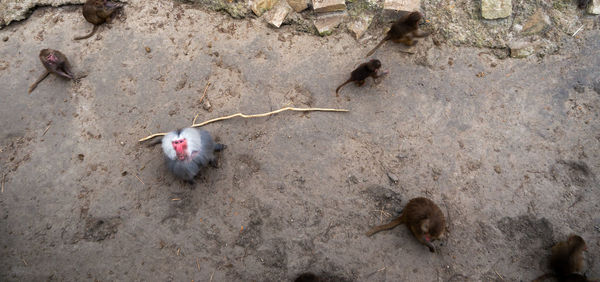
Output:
(81, 157)
(206, 105)
(298, 5)
(352, 179)
(360, 25)
(402, 5)
(325, 24)
(276, 16)
(497, 169)
(5, 38)
(324, 6)
(536, 23)
(496, 9)
(392, 177)
(594, 7)
(261, 6)
(521, 49)
(148, 50)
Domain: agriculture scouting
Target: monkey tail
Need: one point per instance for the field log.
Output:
(377, 47)
(388, 226)
(340, 87)
(89, 35)
(35, 84)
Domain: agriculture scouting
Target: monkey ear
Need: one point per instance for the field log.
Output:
(425, 225)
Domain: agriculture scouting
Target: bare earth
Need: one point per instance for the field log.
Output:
(512, 155)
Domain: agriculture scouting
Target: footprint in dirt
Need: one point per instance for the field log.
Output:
(182, 208)
(577, 173)
(99, 229)
(246, 167)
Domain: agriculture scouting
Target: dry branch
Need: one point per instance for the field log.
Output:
(251, 116)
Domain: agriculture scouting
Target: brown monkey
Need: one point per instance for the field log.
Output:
(55, 62)
(424, 219)
(566, 260)
(403, 31)
(362, 72)
(98, 12)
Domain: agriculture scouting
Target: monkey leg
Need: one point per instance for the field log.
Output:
(406, 40)
(418, 33)
(35, 84)
(220, 147)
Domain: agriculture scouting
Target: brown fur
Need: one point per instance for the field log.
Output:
(566, 260)
(98, 12)
(424, 219)
(362, 72)
(60, 66)
(403, 31)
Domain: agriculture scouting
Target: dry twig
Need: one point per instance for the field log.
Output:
(578, 30)
(251, 116)
(49, 124)
(139, 179)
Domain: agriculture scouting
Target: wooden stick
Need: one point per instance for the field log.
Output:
(251, 116)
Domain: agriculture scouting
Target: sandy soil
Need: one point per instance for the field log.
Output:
(508, 148)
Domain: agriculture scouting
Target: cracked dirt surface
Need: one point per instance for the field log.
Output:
(508, 148)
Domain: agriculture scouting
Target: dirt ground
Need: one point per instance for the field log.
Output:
(510, 149)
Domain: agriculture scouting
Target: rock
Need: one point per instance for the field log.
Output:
(594, 7)
(327, 22)
(520, 49)
(360, 25)
(261, 6)
(16, 10)
(5, 38)
(325, 6)
(536, 23)
(402, 5)
(496, 9)
(207, 106)
(298, 5)
(276, 16)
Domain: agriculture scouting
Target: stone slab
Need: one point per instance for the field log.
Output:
(276, 16)
(360, 25)
(402, 5)
(496, 9)
(16, 10)
(298, 5)
(326, 23)
(325, 6)
(261, 6)
(594, 7)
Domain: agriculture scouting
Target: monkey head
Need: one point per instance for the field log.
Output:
(414, 17)
(50, 57)
(374, 64)
(577, 243)
(429, 232)
(180, 147)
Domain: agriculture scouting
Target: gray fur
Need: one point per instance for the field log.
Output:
(201, 148)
